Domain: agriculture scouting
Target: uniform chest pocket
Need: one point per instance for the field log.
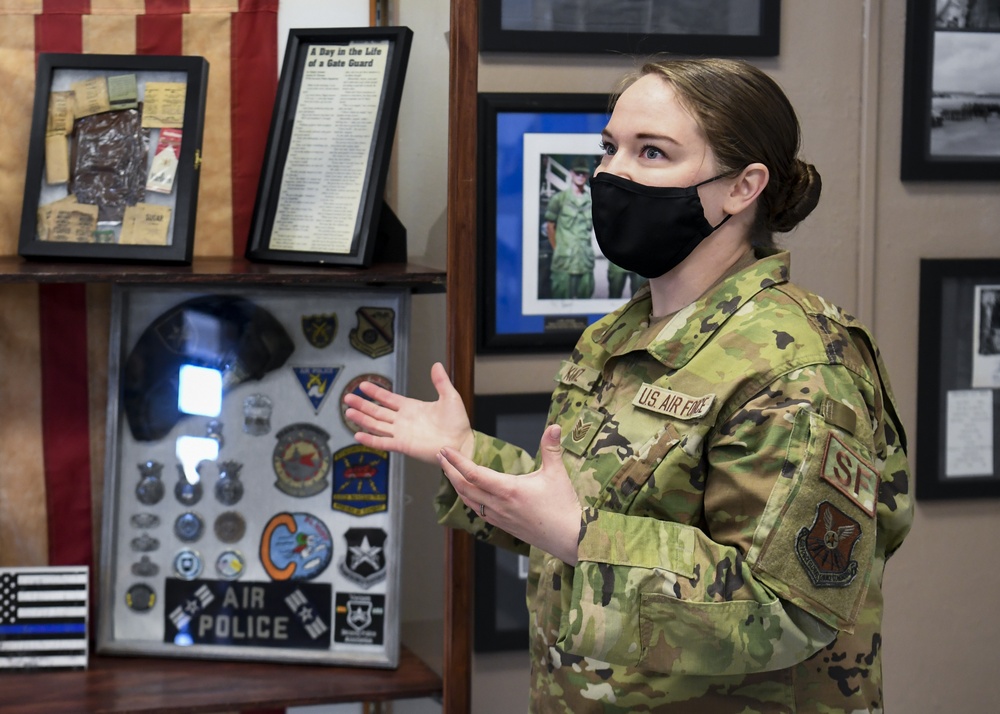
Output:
(636, 468)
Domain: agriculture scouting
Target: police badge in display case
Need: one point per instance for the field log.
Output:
(241, 519)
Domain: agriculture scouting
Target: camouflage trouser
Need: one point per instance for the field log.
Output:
(572, 286)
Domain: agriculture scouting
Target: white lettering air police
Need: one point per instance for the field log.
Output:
(243, 626)
(674, 404)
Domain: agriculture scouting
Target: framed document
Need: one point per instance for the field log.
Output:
(958, 369)
(114, 158)
(320, 194)
(241, 519)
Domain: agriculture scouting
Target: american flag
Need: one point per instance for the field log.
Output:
(43, 617)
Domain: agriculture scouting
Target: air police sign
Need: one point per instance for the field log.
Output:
(248, 614)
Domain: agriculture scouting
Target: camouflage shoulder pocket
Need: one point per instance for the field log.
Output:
(815, 543)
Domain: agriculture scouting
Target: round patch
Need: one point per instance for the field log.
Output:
(187, 564)
(189, 527)
(301, 460)
(295, 546)
(230, 527)
(230, 565)
(140, 598)
(352, 388)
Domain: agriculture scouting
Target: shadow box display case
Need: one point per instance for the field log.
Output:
(241, 518)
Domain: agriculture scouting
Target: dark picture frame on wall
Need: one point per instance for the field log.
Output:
(529, 147)
(747, 28)
(501, 614)
(958, 414)
(114, 158)
(951, 91)
(319, 199)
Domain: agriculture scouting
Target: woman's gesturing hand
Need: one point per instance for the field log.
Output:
(392, 422)
(540, 508)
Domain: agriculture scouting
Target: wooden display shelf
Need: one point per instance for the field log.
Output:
(418, 278)
(144, 685)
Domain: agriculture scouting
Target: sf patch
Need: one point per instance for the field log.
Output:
(850, 474)
(360, 480)
(825, 548)
(301, 460)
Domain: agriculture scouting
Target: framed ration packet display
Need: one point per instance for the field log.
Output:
(241, 519)
(114, 158)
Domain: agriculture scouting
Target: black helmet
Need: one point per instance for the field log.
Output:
(231, 334)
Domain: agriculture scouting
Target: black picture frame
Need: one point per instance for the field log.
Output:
(526, 145)
(123, 208)
(332, 211)
(958, 413)
(500, 611)
(694, 27)
(951, 94)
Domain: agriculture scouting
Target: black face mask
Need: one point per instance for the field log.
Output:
(648, 230)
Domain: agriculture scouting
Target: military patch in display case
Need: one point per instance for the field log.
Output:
(241, 518)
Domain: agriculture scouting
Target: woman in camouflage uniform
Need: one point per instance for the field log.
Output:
(724, 472)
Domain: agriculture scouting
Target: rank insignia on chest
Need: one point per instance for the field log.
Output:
(585, 428)
(825, 548)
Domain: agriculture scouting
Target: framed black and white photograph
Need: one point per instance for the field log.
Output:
(114, 158)
(747, 28)
(319, 199)
(542, 277)
(958, 414)
(241, 519)
(501, 613)
(951, 94)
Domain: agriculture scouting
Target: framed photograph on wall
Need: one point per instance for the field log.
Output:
(951, 91)
(542, 277)
(319, 199)
(501, 614)
(241, 519)
(958, 414)
(640, 27)
(114, 158)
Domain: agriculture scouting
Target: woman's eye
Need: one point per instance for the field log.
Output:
(608, 149)
(651, 152)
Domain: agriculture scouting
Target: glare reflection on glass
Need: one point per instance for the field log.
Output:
(199, 391)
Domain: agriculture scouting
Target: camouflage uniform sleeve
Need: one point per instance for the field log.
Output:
(757, 587)
(500, 456)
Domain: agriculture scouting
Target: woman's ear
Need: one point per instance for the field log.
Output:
(748, 185)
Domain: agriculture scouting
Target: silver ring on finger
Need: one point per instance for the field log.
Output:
(482, 510)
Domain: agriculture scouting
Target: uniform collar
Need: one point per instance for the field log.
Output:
(627, 329)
